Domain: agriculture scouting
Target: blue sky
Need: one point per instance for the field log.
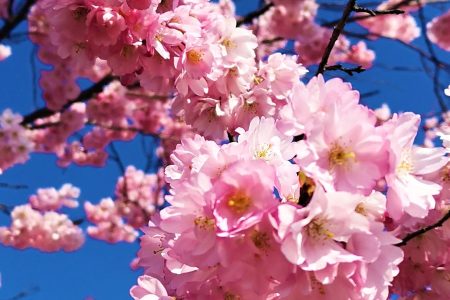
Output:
(102, 270)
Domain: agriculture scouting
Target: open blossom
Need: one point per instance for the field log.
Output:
(242, 195)
(408, 192)
(280, 74)
(353, 152)
(238, 44)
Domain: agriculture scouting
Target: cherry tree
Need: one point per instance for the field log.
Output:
(274, 180)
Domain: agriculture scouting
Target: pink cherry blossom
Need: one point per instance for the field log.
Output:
(437, 31)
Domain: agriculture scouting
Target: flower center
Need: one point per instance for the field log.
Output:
(361, 209)
(239, 202)
(317, 229)
(340, 156)
(260, 239)
(445, 174)
(263, 151)
(194, 56)
(405, 166)
(229, 44)
(258, 79)
(204, 223)
(230, 296)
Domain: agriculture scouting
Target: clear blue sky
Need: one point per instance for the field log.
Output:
(101, 270)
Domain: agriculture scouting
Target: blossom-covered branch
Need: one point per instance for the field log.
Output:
(424, 230)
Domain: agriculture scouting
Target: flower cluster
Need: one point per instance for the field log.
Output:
(137, 197)
(15, 141)
(49, 231)
(292, 207)
(52, 199)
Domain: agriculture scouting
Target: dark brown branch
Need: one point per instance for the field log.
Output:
(253, 15)
(82, 97)
(14, 21)
(375, 12)
(394, 9)
(335, 35)
(349, 71)
(421, 231)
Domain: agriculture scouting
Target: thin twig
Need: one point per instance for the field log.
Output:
(376, 12)
(253, 15)
(14, 21)
(421, 231)
(116, 157)
(349, 71)
(34, 75)
(25, 294)
(85, 95)
(335, 35)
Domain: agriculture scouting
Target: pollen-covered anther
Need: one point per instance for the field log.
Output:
(340, 156)
(317, 229)
(194, 56)
(239, 202)
(263, 151)
(204, 223)
(361, 209)
(258, 79)
(229, 44)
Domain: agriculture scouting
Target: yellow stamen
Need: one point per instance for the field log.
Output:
(361, 209)
(263, 151)
(258, 79)
(194, 56)
(204, 223)
(239, 202)
(229, 44)
(340, 156)
(317, 229)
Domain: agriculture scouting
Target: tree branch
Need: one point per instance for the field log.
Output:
(14, 21)
(82, 97)
(421, 231)
(349, 71)
(335, 35)
(254, 14)
(374, 12)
